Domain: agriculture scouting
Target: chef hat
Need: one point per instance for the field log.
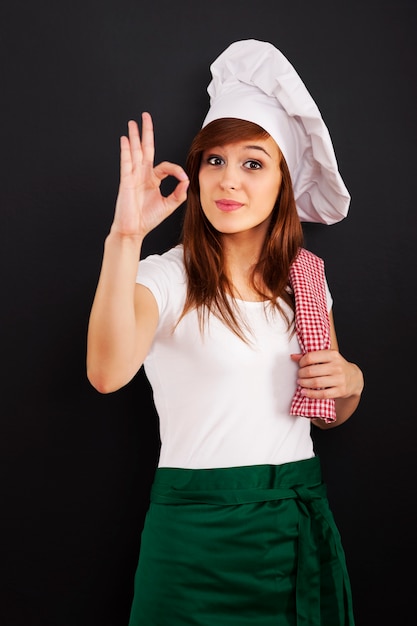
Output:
(253, 81)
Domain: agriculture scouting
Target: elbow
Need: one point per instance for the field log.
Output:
(107, 380)
(102, 388)
(101, 382)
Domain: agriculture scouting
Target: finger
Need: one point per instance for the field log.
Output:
(148, 141)
(316, 382)
(315, 376)
(135, 144)
(323, 393)
(317, 357)
(165, 169)
(177, 197)
(125, 157)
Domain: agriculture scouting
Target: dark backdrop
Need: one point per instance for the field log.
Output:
(77, 466)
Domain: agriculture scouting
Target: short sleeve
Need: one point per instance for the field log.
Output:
(164, 276)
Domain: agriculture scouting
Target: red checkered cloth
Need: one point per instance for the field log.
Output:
(312, 326)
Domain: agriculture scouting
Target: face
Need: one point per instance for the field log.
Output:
(239, 185)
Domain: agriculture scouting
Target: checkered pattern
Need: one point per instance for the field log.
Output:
(312, 326)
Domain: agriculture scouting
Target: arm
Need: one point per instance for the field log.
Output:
(124, 315)
(327, 374)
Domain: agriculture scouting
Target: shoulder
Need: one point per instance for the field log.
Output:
(164, 275)
(169, 263)
(307, 261)
(309, 268)
(309, 257)
(171, 256)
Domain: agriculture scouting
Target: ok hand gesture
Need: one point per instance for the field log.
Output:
(140, 206)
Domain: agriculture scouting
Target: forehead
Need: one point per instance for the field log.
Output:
(267, 145)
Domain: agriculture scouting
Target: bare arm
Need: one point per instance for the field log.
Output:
(124, 315)
(327, 374)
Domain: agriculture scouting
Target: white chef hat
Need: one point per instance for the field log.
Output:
(253, 81)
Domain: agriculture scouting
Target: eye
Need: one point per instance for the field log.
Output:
(215, 160)
(252, 165)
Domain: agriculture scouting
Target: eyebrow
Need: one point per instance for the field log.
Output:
(254, 147)
(248, 147)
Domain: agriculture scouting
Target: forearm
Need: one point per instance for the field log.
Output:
(111, 340)
(124, 316)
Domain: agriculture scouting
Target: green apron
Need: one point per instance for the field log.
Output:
(253, 545)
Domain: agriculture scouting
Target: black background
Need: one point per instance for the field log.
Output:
(77, 466)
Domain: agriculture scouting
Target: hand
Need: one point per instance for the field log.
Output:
(140, 206)
(326, 374)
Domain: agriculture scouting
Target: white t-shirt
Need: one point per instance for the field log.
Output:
(221, 402)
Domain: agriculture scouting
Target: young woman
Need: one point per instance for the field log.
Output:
(239, 529)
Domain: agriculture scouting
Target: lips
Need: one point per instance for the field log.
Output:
(228, 205)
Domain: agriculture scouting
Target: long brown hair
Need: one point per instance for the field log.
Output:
(208, 287)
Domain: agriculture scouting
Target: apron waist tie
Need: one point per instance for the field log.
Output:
(312, 504)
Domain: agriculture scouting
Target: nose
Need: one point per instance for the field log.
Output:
(229, 178)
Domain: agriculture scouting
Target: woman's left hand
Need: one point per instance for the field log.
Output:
(327, 374)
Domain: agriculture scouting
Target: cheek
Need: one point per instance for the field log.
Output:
(270, 194)
(205, 186)
(202, 184)
(275, 189)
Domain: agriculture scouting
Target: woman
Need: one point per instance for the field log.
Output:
(239, 530)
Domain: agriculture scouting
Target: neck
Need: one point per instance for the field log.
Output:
(241, 253)
(244, 247)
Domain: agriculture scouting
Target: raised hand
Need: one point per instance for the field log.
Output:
(140, 206)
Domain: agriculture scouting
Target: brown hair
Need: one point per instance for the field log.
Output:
(209, 287)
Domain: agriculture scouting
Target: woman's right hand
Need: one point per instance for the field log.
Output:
(140, 206)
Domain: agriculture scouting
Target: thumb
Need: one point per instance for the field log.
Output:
(296, 357)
